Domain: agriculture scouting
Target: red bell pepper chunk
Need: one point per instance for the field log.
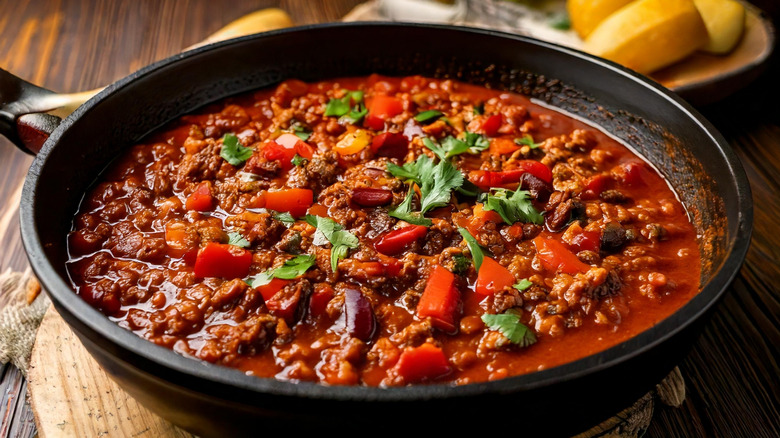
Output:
(594, 186)
(200, 199)
(586, 241)
(631, 173)
(391, 145)
(556, 257)
(503, 146)
(374, 122)
(486, 179)
(440, 299)
(294, 201)
(222, 260)
(424, 363)
(284, 149)
(396, 241)
(318, 303)
(270, 289)
(384, 106)
(491, 125)
(492, 277)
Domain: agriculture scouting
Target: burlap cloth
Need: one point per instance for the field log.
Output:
(22, 307)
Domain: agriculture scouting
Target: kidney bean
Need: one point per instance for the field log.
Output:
(368, 197)
(360, 317)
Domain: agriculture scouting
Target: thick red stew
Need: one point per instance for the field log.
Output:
(383, 231)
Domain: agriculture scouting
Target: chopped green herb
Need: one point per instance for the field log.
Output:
(461, 264)
(508, 323)
(474, 248)
(527, 140)
(293, 268)
(477, 142)
(237, 239)
(479, 109)
(429, 116)
(300, 132)
(329, 230)
(404, 212)
(472, 143)
(354, 115)
(342, 106)
(512, 206)
(285, 218)
(523, 284)
(298, 160)
(233, 151)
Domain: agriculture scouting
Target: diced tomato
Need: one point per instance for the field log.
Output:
(384, 106)
(320, 298)
(491, 124)
(391, 145)
(492, 277)
(294, 201)
(631, 173)
(485, 179)
(440, 299)
(270, 289)
(594, 186)
(200, 199)
(503, 146)
(556, 257)
(374, 122)
(284, 149)
(586, 241)
(424, 363)
(396, 241)
(222, 260)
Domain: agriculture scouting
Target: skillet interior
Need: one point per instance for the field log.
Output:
(212, 400)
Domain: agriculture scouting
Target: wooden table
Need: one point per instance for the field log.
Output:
(733, 370)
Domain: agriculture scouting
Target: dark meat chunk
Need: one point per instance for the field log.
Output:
(320, 172)
(613, 196)
(610, 287)
(613, 237)
(563, 213)
(537, 187)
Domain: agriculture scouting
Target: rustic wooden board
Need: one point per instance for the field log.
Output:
(71, 396)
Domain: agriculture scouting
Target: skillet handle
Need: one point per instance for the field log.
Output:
(29, 113)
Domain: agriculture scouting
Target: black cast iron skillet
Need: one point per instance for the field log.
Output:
(212, 400)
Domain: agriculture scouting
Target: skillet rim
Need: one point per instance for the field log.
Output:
(710, 293)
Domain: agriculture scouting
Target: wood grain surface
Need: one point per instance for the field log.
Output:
(733, 370)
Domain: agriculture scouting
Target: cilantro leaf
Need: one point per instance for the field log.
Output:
(476, 251)
(329, 230)
(513, 206)
(298, 160)
(291, 269)
(354, 115)
(472, 143)
(341, 106)
(477, 142)
(286, 218)
(508, 323)
(233, 151)
(523, 284)
(527, 140)
(237, 239)
(429, 116)
(301, 133)
(404, 212)
(437, 187)
(479, 109)
(437, 150)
